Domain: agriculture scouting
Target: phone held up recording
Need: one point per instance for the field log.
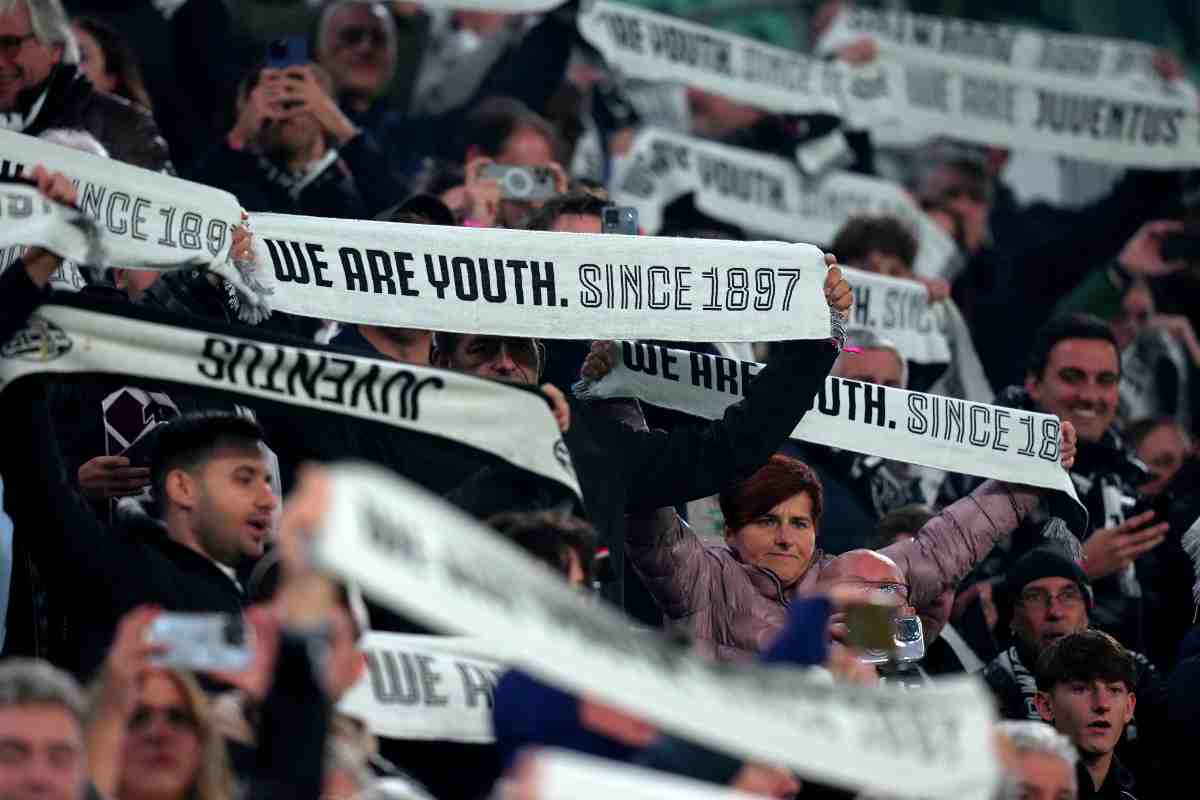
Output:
(202, 642)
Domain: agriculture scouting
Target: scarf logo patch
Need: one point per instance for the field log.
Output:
(41, 341)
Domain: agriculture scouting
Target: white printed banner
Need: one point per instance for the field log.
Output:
(1082, 97)
(468, 280)
(439, 688)
(899, 310)
(541, 284)
(413, 552)
(945, 433)
(765, 194)
(1044, 53)
(147, 220)
(658, 47)
(566, 775)
(510, 423)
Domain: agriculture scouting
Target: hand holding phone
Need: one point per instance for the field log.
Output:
(619, 219)
(201, 642)
(522, 183)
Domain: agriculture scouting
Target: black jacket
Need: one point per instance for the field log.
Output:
(101, 571)
(621, 469)
(358, 185)
(127, 131)
(1099, 464)
(1140, 747)
(1118, 783)
(1041, 252)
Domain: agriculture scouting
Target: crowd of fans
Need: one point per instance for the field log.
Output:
(125, 499)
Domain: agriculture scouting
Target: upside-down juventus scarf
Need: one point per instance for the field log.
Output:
(413, 417)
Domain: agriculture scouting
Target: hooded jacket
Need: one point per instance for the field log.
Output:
(127, 131)
(733, 609)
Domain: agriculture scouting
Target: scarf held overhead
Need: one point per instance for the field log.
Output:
(1076, 96)
(424, 558)
(766, 194)
(933, 431)
(647, 45)
(466, 280)
(510, 423)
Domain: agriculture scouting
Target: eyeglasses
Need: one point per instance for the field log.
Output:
(177, 717)
(355, 35)
(1040, 599)
(885, 587)
(11, 45)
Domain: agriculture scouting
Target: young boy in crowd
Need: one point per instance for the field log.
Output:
(1086, 691)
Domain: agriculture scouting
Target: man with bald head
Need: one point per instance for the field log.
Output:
(880, 580)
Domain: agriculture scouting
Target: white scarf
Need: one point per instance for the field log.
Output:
(766, 194)
(659, 47)
(426, 559)
(507, 422)
(1076, 96)
(944, 433)
(426, 687)
(541, 284)
(467, 280)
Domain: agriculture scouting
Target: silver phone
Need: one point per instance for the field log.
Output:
(619, 219)
(202, 642)
(522, 183)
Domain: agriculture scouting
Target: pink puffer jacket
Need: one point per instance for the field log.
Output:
(732, 609)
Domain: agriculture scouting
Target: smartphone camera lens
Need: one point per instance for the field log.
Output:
(235, 633)
(518, 184)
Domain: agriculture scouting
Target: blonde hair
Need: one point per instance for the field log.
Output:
(214, 776)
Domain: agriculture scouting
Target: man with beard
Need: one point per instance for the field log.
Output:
(1086, 690)
(1074, 372)
(41, 87)
(292, 150)
(213, 507)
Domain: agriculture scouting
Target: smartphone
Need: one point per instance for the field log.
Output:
(521, 183)
(619, 219)
(1181, 246)
(287, 52)
(202, 642)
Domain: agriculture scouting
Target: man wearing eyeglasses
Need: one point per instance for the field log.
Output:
(356, 43)
(1051, 597)
(41, 87)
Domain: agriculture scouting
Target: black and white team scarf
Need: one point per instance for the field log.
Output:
(467, 280)
(1024, 88)
(426, 409)
(929, 430)
(424, 558)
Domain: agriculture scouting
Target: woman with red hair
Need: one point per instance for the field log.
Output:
(732, 598)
